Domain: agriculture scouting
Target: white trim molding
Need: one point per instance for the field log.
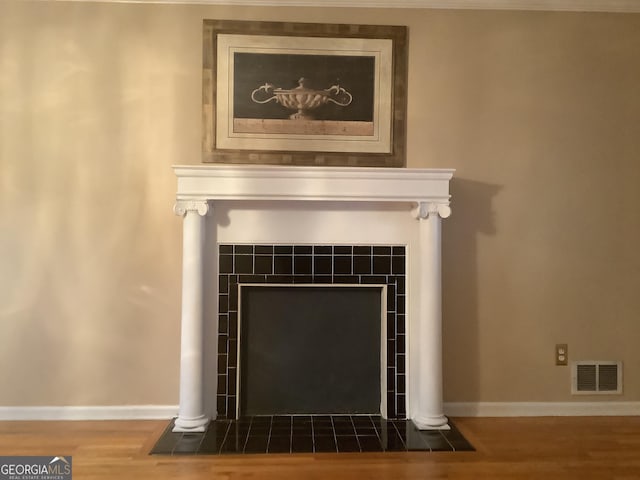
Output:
(541, 409)
(451, 409)
(110, 412)
(615, 6)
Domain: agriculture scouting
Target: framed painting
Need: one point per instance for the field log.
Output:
(304, 94)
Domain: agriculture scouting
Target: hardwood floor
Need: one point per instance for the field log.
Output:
(506, 448)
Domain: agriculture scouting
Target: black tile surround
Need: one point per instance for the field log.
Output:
(309, 434)
(311, 264)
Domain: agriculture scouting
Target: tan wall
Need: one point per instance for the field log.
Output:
(537, 111)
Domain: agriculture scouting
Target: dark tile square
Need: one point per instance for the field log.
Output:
(347, 443)
(283, 249)
(256, 444)
(322, 265)
(231, 405)
(225, 263)
(416, 442)
(374, 280)
(302, 279)
(398, 250)
(341, 420)
(398, 265)
(263, 249)
(233, 324)
(231, 386)
(213, 439)
(263, 265)
(400, 324)
(322, 420)
(342, 265)
(223, 324)
(223, 303)
(302, 421)
(222, 364)
(369, 443)
(391, 360)
(188, 444)
(279, 445)
(222, 344)
(222, 384)
(362, 250)
(324, 444)
(233, 299)
(302, 265)
(280, 430)
(322, 279)
(344, 279)
(361, 265)
(344, 430)
(167, 441)
(223, 283)
(251, 278)
(302, 249)
(221, 405)
(391, 346)
(342, 250)
(391, 298)
(283, 265)
(243, 249)
(401, 304)
(361, 421)
(322, 250)
(302, 444)
(233, 444)
(284, 279)
(381, 250)
(401, 363)
(401, 344)
(258, 420)
(261, 430)
(226, 249)
(381, 265)
(401, 408)
(243, 264)
(281, 420)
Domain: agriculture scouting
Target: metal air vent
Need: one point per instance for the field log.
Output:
(592, 377)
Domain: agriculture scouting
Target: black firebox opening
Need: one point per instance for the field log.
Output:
(310, 350)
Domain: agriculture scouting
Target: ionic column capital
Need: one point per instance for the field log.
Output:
(181, 207)
(424, 210)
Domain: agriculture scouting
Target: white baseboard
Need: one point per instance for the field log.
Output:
(451, 409)
(541, 409)
(116, 412)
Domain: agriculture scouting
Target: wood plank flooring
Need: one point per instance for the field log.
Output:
(582, 448)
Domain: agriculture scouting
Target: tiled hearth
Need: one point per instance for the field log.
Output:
(309, 434)
(312, 264)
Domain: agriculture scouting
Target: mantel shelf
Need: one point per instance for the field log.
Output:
(338, 184)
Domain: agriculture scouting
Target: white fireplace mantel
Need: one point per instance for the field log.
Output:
(342, 184)
(424, 191)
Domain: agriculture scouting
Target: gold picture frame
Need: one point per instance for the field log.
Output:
(304, 93)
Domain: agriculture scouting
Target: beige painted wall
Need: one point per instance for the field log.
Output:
(537, 111)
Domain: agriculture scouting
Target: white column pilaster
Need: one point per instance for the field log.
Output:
(428, 414)
(191, 417)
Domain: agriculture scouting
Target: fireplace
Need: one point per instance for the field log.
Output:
(312, 226)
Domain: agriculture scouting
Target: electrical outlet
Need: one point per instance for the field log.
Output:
(562, 354)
